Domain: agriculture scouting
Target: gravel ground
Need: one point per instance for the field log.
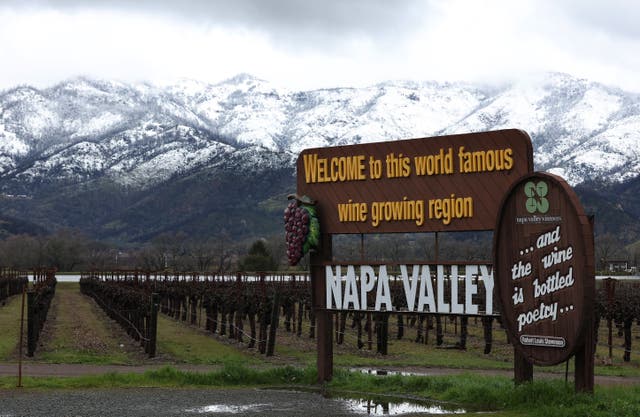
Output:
(180, 402)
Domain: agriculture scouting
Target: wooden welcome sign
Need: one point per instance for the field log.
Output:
(544, 270)
(448, 183)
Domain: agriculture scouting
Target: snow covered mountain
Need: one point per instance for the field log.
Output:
(139, 137)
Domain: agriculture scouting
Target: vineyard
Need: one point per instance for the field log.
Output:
(38, 301)
(248, 308)
(38, 298)
(254, 310)
(128, 305)
(12, 282)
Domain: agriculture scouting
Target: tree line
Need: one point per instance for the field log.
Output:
(71, 250)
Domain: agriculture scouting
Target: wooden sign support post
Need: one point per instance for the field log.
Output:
(585, 355)
(324, 322)
(522, 368)
(584, 380)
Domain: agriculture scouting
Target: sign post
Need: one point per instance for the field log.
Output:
(324, 324)
(545, 276)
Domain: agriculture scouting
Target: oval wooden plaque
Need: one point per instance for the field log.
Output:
(544, 268)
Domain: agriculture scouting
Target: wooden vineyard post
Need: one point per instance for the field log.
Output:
(24, 291)
(271, 343)
(262, 335)
(31, 323)
(610, 288)
(153, 325)
(369, 326)
(382, 333)
(324, 324)
(239, 327)
(252, 327)
(488, 335)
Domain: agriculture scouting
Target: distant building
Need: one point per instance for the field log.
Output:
(618, 265)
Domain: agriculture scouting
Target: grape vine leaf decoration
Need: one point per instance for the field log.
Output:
(301, 226)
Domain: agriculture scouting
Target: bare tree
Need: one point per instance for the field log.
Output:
(150, 259)
(65, 250)
(223, 253)
(201, 254)
(23, 251)
(167, 251)
(100, 256)
(277, 247)
(607, 248)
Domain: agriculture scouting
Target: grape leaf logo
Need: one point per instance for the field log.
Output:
(536, 197)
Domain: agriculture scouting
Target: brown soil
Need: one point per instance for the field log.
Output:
(86, 327)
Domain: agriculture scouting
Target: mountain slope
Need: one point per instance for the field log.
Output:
(127, 161)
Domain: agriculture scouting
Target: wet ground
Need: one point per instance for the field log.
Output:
(191, 402)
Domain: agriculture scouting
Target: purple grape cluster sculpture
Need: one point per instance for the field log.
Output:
(302, 228)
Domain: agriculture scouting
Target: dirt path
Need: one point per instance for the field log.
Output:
(77, 327)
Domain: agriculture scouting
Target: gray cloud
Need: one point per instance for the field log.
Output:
(320, 42)
(287, 22)
(614, 17)
(291, 20)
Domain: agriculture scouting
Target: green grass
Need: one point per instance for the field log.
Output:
(229, 375)
(10, 326)
(189, 345)
(407, 353)
(485, 393)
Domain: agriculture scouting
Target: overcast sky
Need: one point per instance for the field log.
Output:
(310, 44)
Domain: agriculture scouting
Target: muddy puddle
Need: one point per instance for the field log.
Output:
(364, 407)
(383, 408)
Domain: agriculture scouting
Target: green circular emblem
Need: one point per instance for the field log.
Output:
(536, 197)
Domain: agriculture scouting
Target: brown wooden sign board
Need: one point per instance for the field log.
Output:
(544, 269)
(446, 183)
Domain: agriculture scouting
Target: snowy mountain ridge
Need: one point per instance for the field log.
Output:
(140, 135)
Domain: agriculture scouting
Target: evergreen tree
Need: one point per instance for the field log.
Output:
(258, 259)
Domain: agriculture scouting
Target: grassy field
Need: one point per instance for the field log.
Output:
(185, 344)
(10, 328)
(77, 331)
